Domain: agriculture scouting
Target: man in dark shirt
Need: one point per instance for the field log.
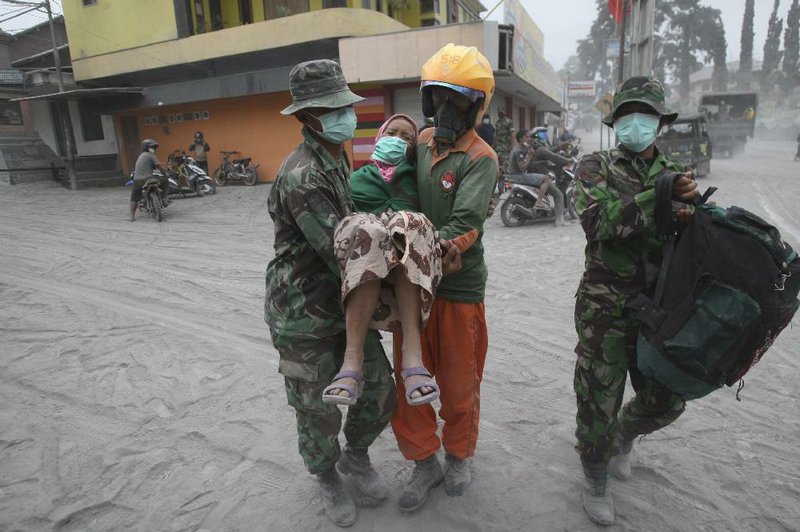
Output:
(200, 149)
(523, 172)
(146, 163)
(486, 131)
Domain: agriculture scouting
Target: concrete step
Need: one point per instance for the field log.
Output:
(100, 179)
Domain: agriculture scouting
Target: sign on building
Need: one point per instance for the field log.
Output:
(11, 76)
(581, 89)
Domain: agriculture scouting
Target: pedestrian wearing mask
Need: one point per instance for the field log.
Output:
(200, 149)
(616, 199)
(456, 175)
(308, 199)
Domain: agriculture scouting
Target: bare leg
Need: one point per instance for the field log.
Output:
(409, 303)
(542, 191)
(132, 217)
(358, 310)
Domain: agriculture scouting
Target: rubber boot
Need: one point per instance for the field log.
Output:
(426, 476)
(596, 497)
(355, 462)
(339, 506)
(457, 475)
(620, 465)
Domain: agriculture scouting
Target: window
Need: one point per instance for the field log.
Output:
(333, 3)
(430, 22)
(429, 6)
(89, 3)
(91, 123)
(246, 11)
(365, 4)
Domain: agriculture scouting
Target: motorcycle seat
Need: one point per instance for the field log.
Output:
(246, 160)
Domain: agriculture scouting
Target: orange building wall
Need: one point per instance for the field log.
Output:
(252, 125)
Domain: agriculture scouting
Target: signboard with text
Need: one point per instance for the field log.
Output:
(581, 89)
(11, 76)
(528, 55)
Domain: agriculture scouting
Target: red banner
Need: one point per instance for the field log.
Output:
(615, 7)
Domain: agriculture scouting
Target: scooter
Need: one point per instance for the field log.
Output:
(518, 205)
(186, 177)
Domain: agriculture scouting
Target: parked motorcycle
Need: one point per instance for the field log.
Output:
(236, 170)
(186, 177)
(518, 206)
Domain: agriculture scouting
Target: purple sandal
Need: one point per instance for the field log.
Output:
(425, 398)
(354, 391)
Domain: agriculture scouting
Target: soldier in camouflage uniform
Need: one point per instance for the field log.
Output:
(503, 139)
(616, 201)
(311, 194)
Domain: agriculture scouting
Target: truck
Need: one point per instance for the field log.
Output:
(731, 119)
(687, 141)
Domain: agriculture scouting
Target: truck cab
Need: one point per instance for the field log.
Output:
(687, 141)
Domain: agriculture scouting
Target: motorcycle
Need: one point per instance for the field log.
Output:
(238, 170)
(518, 206)
(186, 177)
(151, 197)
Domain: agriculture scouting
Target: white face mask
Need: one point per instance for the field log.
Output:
(151, 150)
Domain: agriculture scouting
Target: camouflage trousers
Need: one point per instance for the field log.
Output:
(370, 247)
(606, 354)
(308, 366)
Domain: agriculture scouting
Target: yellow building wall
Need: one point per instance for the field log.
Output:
(111, 25)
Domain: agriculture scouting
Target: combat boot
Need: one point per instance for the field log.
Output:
(355, 462)
(457, 475)
(339, 506)
(620, 465)
(426, 476)
(596, 497)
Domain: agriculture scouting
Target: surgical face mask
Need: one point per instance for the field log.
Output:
(390, 150)
(485, 120)
(637, 131)
(338, 126)
(151, 150)
(450, 123)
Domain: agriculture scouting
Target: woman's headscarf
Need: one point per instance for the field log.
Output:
(387, 170)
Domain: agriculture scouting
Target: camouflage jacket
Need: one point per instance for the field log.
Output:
(616, 200)
(309, 197)
(504, 133)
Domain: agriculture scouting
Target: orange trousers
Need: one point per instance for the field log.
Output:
(454, 345)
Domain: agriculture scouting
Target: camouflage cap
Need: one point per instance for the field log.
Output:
(319, 83)
(642, 89)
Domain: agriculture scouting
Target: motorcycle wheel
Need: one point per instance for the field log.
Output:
(156, 201)
(508, 215)
(220, 177)
(250, 177)
(571, 208)
(206, 188)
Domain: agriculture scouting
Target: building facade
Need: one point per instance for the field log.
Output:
(222, 66)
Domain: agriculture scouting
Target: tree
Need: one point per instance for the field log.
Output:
(746, 53)
(719, 51)
(592, 49)
(791, 47)
(772, 54)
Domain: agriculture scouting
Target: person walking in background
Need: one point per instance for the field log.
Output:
(486, 131)
(797, 155)
(302, 307)
(200, 149)
(503, 142)
(456, 175)
(616, 200)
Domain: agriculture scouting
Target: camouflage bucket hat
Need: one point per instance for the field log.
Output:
(319, 83)
(644, 90)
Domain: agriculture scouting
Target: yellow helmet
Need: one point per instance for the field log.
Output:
(463, 69)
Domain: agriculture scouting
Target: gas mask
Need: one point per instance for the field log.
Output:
(450, 123)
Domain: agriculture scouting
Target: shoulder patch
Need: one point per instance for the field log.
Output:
(448, 181)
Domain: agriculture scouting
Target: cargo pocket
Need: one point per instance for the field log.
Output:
(309, 361)
(720, 315)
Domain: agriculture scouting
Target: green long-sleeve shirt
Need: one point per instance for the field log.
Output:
(372, 194)
(616, 200)
(454, 189)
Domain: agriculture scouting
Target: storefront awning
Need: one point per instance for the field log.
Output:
(79, 94)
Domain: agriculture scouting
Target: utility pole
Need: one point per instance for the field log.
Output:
(621, 72)
(66, 120)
